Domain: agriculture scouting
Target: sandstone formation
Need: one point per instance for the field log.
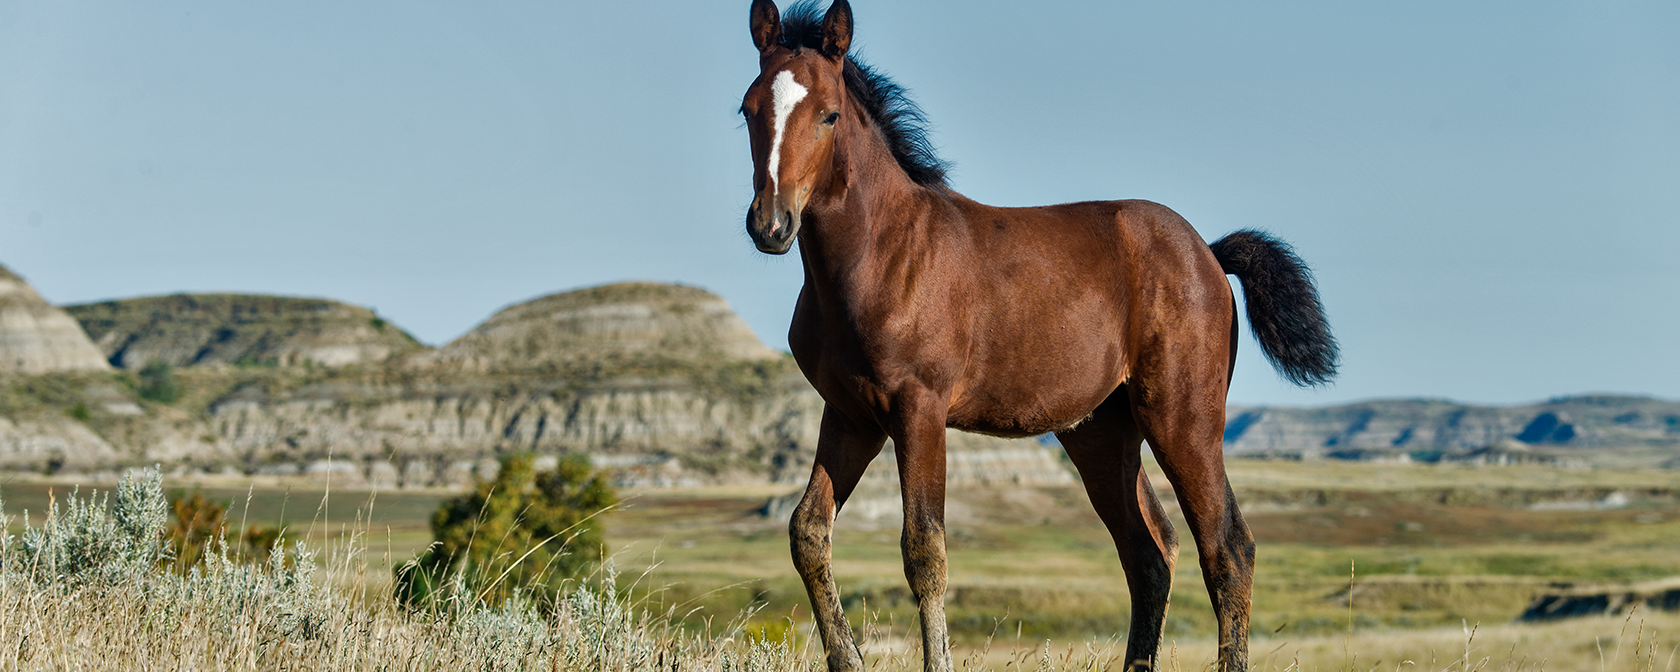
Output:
(648, 433)
(653, 432)
(197, 329)
(36, 337)
(626, 321)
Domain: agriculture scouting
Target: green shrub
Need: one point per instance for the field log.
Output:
(197, 521)
(200, 527)
(93, 541)
(158, 383)
(525, 532)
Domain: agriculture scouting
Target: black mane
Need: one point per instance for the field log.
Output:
(899, 119)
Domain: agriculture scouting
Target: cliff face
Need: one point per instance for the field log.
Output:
(36, 337)
(199, 329)
(653, 431)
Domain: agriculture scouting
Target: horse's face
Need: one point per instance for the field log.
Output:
(792, 112)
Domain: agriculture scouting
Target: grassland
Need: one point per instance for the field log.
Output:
(1433, 552)
(1430, 549)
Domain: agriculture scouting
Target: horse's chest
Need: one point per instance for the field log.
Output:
(868, 359)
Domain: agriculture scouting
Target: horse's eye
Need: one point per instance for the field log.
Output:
(832, 117)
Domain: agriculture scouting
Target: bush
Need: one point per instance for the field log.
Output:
(158, 383)
(200, 523)
(525, 532)
(197, 521)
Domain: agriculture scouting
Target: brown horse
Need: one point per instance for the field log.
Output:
(1109, 323)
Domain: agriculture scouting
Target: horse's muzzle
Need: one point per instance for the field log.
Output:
(772, 229)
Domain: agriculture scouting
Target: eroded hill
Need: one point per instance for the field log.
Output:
(37, 337)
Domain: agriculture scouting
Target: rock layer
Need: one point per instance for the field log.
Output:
(654, 433)
(629, 424)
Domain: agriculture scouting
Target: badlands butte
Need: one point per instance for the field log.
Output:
(662, 385)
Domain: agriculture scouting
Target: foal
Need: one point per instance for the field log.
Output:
(1109, 323)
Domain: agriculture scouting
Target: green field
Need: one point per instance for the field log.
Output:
(1430, 549)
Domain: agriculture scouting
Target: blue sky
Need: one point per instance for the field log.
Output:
(1489, 192)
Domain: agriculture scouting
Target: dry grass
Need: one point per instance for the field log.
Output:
(1035, 586)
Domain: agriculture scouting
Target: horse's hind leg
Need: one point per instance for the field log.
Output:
(844, 450)
(1105, 449)
(1180, 409)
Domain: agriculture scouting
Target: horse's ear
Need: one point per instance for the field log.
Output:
(837, 29)
(766, 24)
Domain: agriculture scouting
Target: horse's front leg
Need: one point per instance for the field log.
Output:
(919, 440)
(844, 450)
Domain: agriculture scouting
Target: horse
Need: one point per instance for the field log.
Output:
(1109, 323)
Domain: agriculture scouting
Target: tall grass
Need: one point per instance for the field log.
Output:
(90, 586)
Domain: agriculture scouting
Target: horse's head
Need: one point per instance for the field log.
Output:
(793, 110)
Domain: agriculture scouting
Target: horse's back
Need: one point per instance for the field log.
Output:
(1134, 253)
(1070, 298)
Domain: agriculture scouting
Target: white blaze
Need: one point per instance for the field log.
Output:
(784, 94)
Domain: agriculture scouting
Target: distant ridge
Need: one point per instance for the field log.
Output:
(36, 337)
(238, 329)
(1640, 430)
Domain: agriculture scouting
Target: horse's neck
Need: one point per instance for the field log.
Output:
(865, 240)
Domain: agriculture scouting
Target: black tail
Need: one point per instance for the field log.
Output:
(1283, 307)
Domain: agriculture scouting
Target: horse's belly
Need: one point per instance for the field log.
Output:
(1020, 421)
(1031, 396)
